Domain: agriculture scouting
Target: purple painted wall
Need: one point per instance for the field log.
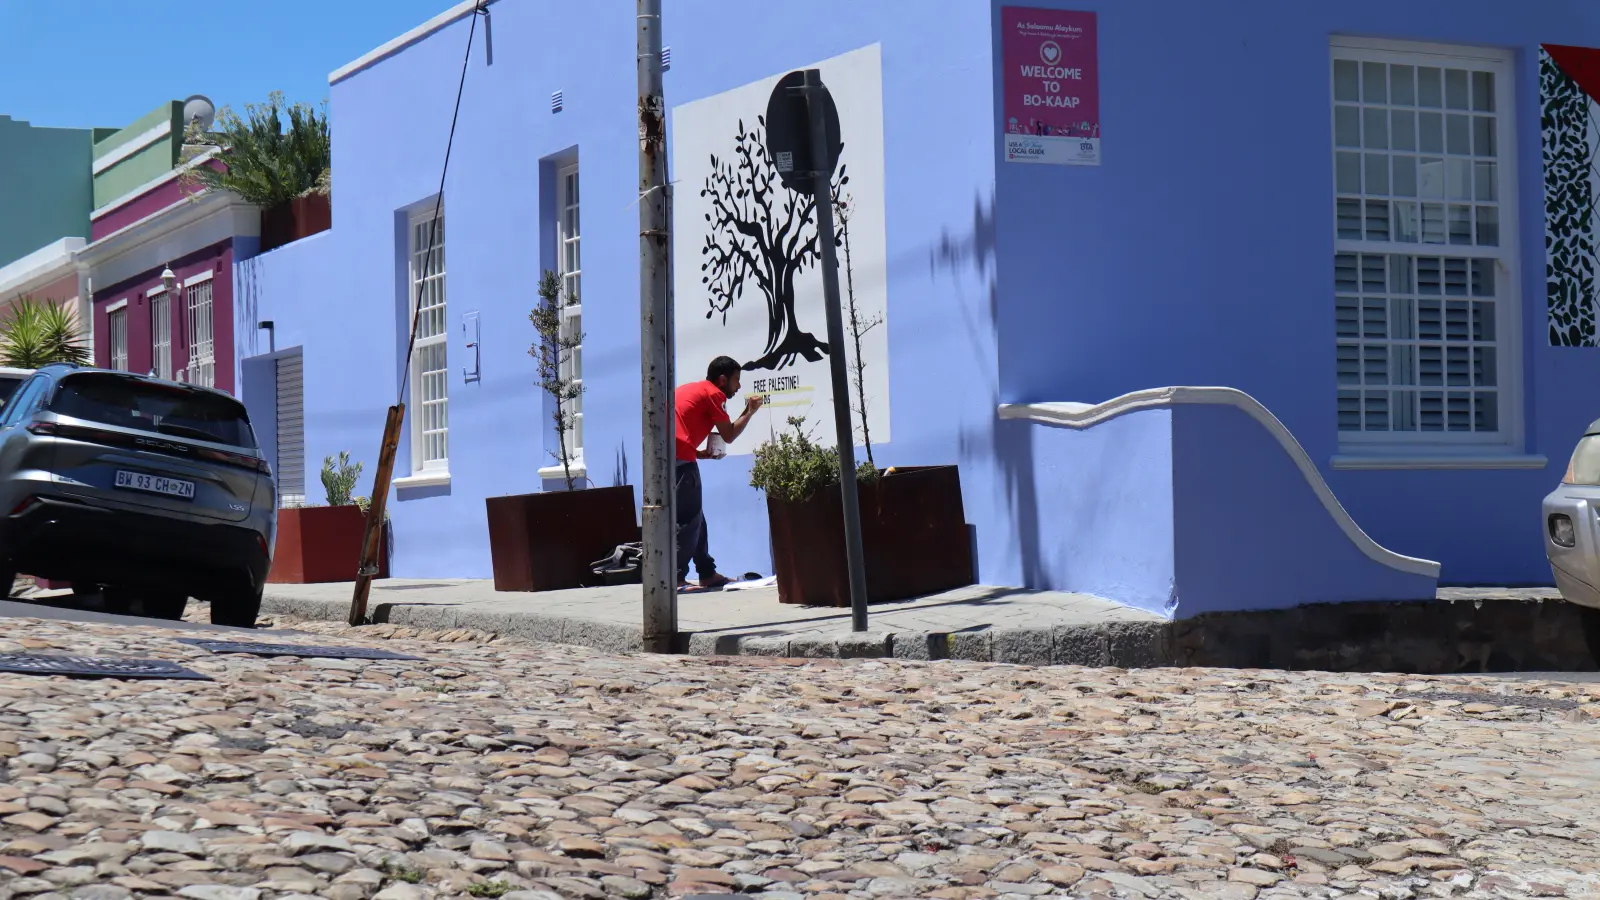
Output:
(152, 201)
(217, 259)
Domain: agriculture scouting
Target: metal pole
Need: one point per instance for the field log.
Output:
(659, 531)
(842, 425)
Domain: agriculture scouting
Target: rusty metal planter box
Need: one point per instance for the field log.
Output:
(319, 544)
(913, 529)
(547, 541)
(292, 220)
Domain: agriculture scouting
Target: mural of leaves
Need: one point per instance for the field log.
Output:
(1569, 149)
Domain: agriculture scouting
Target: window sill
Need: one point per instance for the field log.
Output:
(1372, 462)
(549, 473)
(425, 478)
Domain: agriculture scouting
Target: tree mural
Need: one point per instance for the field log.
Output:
(760, 232)
(1569, 151)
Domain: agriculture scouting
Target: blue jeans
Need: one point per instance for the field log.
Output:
(692, 542)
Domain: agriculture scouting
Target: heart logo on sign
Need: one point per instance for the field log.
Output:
(1050, 52)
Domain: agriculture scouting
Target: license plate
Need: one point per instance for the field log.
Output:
(156, 484)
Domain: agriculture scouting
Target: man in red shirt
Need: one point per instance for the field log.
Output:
(700, 409)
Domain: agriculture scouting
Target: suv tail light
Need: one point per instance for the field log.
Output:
(155, 443)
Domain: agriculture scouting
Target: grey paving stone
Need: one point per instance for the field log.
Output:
(1021, 646)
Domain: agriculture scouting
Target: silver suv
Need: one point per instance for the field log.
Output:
(148, 492)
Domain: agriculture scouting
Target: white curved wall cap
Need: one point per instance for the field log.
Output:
(1087, 415)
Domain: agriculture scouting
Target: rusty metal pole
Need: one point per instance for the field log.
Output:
(659, 528)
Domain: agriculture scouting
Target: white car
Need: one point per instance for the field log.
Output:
(1572, 524)
(10, 380)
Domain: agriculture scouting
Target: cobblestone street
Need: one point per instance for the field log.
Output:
(533, 772)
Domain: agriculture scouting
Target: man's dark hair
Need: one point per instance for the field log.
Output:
(722, 365)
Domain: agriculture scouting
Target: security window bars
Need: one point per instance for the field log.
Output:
(430, 382)
(161, 335)
(570, 267)
(117, 324)
(202, 345)
(1422, 283)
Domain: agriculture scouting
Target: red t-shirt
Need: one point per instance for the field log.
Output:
(700, 408)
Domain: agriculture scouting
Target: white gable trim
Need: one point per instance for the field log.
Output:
(454, 13)
(168, 234)
(133, 145)
(49, 263)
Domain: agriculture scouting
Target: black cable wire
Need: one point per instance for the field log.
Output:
(438, 201)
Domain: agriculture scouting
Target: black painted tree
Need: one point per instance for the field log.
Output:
(762, 233)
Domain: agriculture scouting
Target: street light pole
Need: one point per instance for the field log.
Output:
(816, 95)
(659, 529)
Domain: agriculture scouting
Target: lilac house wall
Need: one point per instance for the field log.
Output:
(1200, 252)
(939, 196)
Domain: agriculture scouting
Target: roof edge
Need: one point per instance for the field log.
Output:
(449, 16)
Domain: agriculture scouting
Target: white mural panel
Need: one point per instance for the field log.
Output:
(747, 262)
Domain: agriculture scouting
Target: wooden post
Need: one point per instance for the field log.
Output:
(372, 540)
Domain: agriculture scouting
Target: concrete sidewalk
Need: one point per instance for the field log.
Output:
(980, 623)
(1463, 630)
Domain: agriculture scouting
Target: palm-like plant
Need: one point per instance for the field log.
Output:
(265, 163)
(35, 333)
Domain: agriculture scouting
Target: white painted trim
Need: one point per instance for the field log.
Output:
(170, 233)
(152, 184)
(424, 478)
(119, 304)
(450, 15)
(132, 145)
(193, 280)
(1087, 415)
(162, 289)
(49, 263)
(1422, 48)
(1357, 462)
(555, 472)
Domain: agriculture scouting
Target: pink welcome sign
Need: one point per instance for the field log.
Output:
(1052, 86)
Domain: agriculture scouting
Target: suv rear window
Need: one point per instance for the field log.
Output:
(8, 388)
(174, 410)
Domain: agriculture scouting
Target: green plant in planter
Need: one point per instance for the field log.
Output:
(268, 161)
(338, 481)
(553, 353)
(792, 467)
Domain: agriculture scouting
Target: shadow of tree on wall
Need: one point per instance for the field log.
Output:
(971, 253)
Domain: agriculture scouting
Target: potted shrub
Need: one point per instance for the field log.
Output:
(323, 543)
(913, 527)
(547, 541)
(284, 170)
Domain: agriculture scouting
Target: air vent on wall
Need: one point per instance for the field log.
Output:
(666, 58)
(555, 102)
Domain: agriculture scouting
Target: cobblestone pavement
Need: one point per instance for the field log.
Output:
(534, 772)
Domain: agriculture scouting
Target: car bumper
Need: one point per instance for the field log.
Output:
(66, 541)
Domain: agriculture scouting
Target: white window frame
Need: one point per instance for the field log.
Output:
(160, 332)
(1446, 449)
(200, 318)
(437, 469)
(568, 227)
(117, 336)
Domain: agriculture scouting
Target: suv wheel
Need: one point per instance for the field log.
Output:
(237, 608)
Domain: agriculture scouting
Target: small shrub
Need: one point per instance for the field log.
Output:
(489, 889)
(338, 481)
(792, 467)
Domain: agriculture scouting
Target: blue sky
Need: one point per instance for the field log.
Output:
(82, 63)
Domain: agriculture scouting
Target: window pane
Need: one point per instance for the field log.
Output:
(1377, 173)
(1485, 178)
(1483, 91)
(1433, 229)
(1458, 179)
(1403, 85)
(1347, 172)
(1430, 132)
(1483, 321)
(1455, 89)
(1430, 178)
(1375, 129)
(1486, 411)
(1488, 226)
(1458, 134)
(1349, 365)
(1403, 133)
(1348, 220)
(1430, 88)
(1349, 410)
(1483, 278)
(1346, 80)
(1483, 367)
(1483, 136)
(1374, 86)
(1347, 126)
(1405, 176)
(1407, 224)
